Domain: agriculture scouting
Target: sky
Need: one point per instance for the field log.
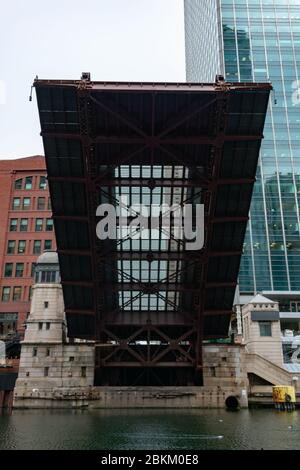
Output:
(130, 40)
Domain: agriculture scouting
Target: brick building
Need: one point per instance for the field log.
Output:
(26, 230)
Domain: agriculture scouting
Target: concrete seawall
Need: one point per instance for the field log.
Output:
(132, 397)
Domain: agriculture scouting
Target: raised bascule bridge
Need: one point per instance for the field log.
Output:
(149, 302)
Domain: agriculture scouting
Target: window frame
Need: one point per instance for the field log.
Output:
(18, 270)
(38, 227)
(19, 243)
(265, 333)
(51, 245)
(49, 220)
(5, 297)
(9, 242)
(39, 206)
(5, 268)
(16, 185)
(28, 181)
(34, 252)
(15, 297)
(11, 224)
(22, 225)
(26, 207)
(18, 206)
(43, 186)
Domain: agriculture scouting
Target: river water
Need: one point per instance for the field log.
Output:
(150, 429)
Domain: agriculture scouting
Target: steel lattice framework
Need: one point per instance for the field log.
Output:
(149, 303)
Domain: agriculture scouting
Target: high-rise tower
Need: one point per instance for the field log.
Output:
(256, 41)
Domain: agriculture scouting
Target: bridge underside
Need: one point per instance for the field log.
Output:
(148, 301)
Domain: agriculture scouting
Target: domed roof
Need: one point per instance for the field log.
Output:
(48, 257)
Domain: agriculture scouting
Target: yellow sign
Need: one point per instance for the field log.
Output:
(284, 394)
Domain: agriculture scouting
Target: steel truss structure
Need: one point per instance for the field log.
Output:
(148, 302)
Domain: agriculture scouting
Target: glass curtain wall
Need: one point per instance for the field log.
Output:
(260, 41)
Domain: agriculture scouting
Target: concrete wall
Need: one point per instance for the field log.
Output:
(133, 397)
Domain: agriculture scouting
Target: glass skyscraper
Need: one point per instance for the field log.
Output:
(259, 41)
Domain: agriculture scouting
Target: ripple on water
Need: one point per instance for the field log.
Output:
(150, 429)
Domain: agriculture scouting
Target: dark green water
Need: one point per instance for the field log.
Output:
(150, 429)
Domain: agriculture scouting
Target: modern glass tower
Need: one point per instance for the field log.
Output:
(258, 41)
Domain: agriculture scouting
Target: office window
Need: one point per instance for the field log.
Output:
(28, 182)
(18, 183)
(17, 292)
(83, 371)
(32, 269)
(41, 203)
(16, 203)
(40, 325)
(5, 294)
(49, 204)
(37, 247)
(30, 293)
(21, 246)
(48, 245)
(26, 203)
(8, 269)
(13, 225)
(49, 225)
(47, 326)
(43, 182)
(11, 246)
(34, 352)
(24, 225)
(46, 371)
(265, 328)
(38, 225)
(19, 269)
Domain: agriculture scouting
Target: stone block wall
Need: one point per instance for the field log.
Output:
(47, 367)
(224, 366)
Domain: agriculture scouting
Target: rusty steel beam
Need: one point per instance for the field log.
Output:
(79, 218)
(80, 311)
(146, 288)
(122, 364)
(219, 312)
(153, 182)
(157, 318)
(154, 87)
(149, 142)
(149, 256)
(213, 168)
(228, 219)
(73, 218)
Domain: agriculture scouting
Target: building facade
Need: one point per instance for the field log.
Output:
(259, 41)
(26, 230)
